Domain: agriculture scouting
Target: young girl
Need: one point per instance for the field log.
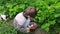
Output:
(23, 19)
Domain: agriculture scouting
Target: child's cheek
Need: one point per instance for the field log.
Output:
(31, 25)
(34, 27)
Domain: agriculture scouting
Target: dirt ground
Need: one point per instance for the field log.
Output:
(37, 31)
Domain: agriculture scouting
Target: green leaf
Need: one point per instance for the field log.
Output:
(45, 25)
(22, 6)
(58, 5)
(9, 5)
(57, 15)
(52, 22)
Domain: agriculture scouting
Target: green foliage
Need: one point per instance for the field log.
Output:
(7, 28)
(48, 13)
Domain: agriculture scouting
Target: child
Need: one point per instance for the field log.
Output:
(23, 19)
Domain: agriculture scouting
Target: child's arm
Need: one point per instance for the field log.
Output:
(33, 20)
(20, 28)
(26, 23)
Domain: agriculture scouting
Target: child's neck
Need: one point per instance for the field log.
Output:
(24, 15)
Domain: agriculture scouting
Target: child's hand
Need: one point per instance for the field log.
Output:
(28, 30)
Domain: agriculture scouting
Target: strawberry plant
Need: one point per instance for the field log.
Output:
(48, 14)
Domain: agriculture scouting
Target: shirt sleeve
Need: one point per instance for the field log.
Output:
(26, 23)
(19, 27)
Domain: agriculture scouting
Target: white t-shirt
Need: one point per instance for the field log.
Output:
(20, 18)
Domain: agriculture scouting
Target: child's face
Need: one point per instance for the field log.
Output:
(33, 26)
(29, 16)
